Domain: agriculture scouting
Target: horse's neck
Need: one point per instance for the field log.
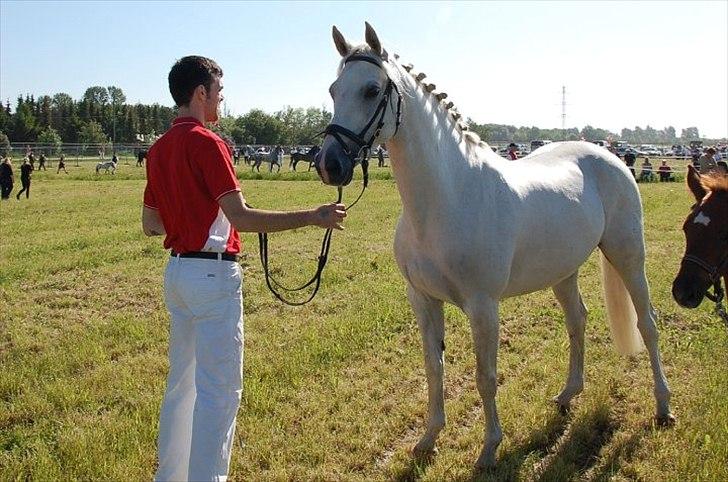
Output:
(430, 161)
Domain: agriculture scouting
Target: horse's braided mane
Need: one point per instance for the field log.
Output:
(455, 117)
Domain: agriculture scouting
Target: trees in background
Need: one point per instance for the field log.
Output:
(103, 114)
(50, 138)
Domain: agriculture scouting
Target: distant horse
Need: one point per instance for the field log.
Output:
(706, 234)
(309, 157)
(106, 166)
(476, 229)
(274, 157)
(141, 155)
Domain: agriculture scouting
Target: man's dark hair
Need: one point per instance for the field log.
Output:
(188, 73)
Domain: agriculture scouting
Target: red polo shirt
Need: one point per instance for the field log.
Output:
(188, 169)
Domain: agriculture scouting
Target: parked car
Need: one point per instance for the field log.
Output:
(538, 143)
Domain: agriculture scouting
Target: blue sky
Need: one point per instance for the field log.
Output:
(624, 64)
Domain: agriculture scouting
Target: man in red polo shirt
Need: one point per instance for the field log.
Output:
(193, 197)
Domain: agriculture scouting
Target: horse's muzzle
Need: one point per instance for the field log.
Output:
(334, 166)
(686, 292)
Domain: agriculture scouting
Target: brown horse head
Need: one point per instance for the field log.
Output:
(706, 232)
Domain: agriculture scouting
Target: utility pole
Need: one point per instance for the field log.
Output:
(563, 110)
(113, 119)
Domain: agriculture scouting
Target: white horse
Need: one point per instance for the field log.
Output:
(274, 157)
(106, 166)
(476, 228)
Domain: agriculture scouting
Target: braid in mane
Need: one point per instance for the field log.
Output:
(455, 117)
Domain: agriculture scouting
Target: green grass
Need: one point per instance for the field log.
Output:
(334, 390)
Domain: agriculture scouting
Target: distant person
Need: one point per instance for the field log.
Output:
(695, 154)
(629, 159)
(6, 178)
(647, 173)
(41, 162)
(61, 164)
(26, 170)
(512, 151)
(380, 156)
(707, 162)
(665, 172)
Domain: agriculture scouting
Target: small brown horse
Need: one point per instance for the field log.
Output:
(706, 231)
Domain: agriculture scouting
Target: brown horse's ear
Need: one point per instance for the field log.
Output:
(694, 183)
(372, 39)
(341, 44)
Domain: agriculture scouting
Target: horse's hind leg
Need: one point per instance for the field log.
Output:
(567, 294)
(483, 315)
(627, 256)
(431, 321)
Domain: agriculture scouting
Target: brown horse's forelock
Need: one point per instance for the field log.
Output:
(714, 182)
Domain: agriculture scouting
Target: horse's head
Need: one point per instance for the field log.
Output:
(366, 107)
(706, 233)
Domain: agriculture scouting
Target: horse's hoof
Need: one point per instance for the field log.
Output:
(424, 452)
(665, 420)
(564, 408)
(485, 464)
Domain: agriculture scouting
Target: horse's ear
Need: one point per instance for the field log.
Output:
(694, 184)
(341, 44)
(372, 39)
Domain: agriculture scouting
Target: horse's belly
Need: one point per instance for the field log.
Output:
(544, 262)
(541, 275)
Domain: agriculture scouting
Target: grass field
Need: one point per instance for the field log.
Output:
(334, 390)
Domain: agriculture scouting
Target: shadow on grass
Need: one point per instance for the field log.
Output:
(564, 448)
(415, 469)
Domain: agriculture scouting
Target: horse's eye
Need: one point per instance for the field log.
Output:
(372, 92)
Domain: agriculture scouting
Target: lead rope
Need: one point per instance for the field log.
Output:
(717, 298)
(323, 256)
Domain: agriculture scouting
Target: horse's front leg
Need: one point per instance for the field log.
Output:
(431, 321)
(483, 315)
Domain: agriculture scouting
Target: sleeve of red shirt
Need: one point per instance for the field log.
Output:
(149, 200)
(216, 164)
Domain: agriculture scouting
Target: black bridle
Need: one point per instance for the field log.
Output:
(362, 156)
(714, 274)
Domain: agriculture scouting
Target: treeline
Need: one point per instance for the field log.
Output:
(103, 116)
(648, 135)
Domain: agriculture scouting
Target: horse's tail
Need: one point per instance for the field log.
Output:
(621, 314)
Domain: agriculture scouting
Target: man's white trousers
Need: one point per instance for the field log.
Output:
(204, 385)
